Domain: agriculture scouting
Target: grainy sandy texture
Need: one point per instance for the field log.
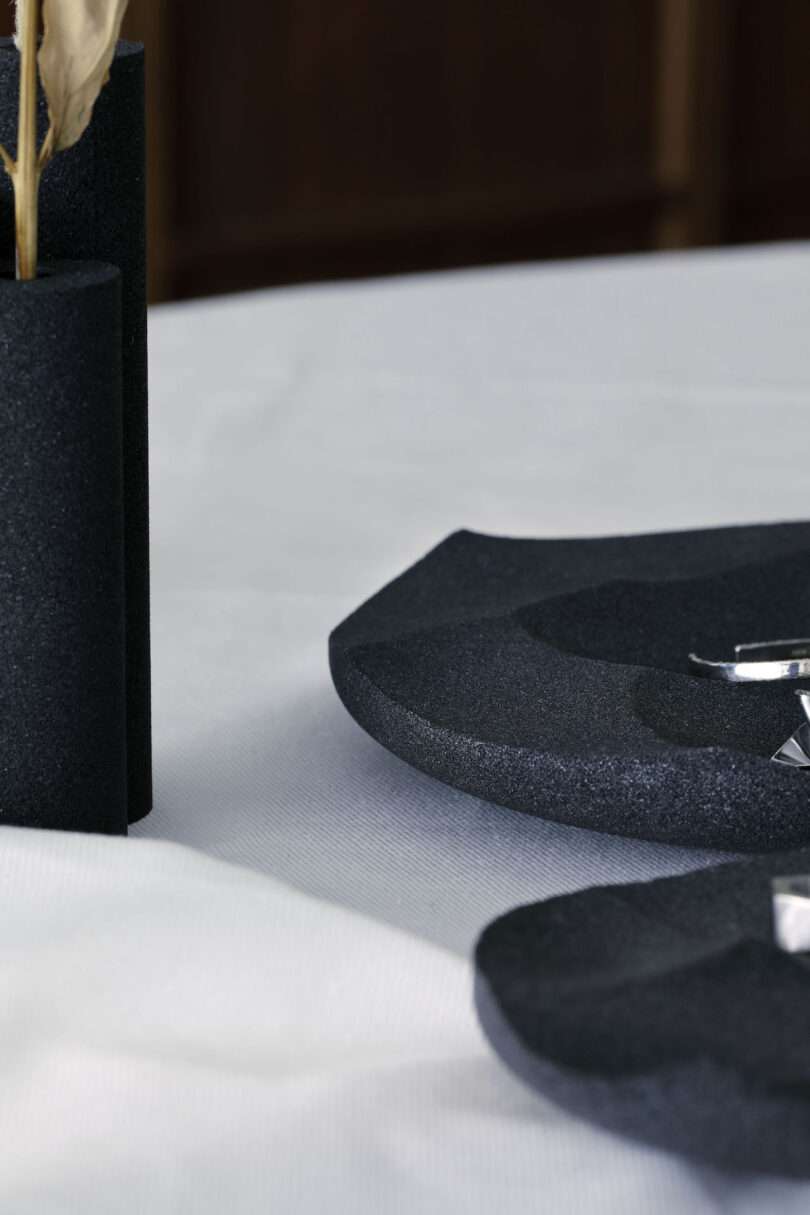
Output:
(661, 1010)
(93, 206)
(552, 677)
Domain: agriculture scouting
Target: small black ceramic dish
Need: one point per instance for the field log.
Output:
(553, 677)
(662, 1011)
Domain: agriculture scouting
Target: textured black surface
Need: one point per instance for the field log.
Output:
(93, 205)
(552, 677)
(663, 1011)
(62, 664)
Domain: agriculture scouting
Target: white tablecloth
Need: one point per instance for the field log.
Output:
(262, 1001)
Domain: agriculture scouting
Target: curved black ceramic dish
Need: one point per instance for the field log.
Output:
(662, 1011)
(552, 677)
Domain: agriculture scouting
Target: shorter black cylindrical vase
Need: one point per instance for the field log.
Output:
(63, 760)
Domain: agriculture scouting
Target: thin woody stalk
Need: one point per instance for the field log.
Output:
(27, 172)
(78, 46)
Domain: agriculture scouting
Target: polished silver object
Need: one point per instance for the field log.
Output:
(759, 661)
(791, 912)
(795, 753)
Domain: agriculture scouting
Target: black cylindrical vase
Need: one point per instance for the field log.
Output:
(63, 744)
(93, 205)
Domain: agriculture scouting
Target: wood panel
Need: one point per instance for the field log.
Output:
(333, 138)
(363, 136)
(692, 93)
(769, 122)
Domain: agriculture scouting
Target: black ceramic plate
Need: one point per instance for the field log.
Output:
(551, 676)
(663, 1011)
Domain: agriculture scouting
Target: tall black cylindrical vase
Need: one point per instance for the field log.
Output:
(63, 744)
(93, 205)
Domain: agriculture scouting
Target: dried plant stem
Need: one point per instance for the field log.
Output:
(78, 47)
(27, 171)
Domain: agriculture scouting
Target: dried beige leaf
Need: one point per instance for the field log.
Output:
(74, 63)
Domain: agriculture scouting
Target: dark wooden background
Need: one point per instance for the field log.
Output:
(293, 140)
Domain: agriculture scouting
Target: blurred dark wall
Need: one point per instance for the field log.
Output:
(306, 139)
(326, 139)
